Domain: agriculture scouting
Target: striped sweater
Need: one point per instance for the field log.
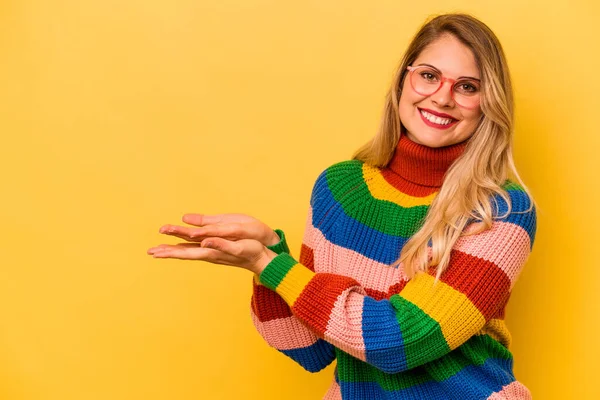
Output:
(395, 338)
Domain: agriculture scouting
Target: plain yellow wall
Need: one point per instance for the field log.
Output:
(120, 116)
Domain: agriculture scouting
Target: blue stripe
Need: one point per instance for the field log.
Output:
(371, 390)
(313, 358)
(520, 202)
(483, 380)
(342, 230)
(380, 317)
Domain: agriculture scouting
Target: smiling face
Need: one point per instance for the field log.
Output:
(453, 59)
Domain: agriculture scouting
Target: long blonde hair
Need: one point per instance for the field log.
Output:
(482, 169)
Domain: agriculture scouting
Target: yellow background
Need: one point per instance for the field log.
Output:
(119, 116)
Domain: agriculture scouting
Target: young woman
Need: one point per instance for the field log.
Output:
(411, 248)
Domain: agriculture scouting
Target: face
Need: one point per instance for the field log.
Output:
(453, 59)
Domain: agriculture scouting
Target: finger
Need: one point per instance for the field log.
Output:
(182, 232)
(164, 247)
(223, 245)
(202, 219)
(154, 249)
(182, 253)
(187, 251)
(231, 231)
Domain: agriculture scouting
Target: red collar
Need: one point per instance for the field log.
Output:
(423, 165)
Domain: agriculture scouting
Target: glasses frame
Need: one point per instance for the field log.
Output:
(443, 79)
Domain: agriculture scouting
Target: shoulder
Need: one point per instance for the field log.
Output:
(522, 211)
(519, 199)
(337, 177)
(343, 168)
(340, 172)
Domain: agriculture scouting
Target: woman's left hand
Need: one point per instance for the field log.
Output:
(249, 254)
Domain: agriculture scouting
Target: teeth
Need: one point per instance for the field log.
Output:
(435, 119)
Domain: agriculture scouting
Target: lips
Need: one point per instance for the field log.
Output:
(437, 114)
(453, 122)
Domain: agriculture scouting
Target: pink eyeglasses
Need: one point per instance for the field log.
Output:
(426, 81)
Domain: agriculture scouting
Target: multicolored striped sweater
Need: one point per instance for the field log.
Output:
(395, 338)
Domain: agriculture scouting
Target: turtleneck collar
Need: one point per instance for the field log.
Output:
(423, 165)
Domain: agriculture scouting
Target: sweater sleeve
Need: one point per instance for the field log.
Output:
(276, 323)
(421, 321)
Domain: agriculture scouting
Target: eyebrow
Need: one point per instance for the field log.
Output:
(469, 77)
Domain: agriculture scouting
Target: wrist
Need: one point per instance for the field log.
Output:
(264, 260)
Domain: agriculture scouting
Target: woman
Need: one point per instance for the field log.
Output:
(411, 248)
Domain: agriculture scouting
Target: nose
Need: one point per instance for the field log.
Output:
(443, 97)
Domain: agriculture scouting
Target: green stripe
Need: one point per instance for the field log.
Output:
(276, 270)
(422, 335)
(347, 185)
(510, 185)
(351, 369)
(281, 246)
(475, 352)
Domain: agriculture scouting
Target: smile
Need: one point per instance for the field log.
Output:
(437, 122)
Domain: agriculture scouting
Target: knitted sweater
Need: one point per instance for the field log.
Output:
(396, 338)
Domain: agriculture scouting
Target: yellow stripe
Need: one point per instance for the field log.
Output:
(457, 316)
(383, 190)
(294, 282)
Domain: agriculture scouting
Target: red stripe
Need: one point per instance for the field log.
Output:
(482, 281)
(267, 304)
(501, 314)
(317, 299)
(379, 295)
(405, 186)
(307, 257)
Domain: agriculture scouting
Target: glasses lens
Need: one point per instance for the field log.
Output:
(425, 80)
(467, 93)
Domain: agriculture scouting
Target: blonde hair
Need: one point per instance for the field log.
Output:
(482, 169)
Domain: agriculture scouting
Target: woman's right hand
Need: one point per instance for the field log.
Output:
(226, 226)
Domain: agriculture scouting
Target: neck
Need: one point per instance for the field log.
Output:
(423, 165)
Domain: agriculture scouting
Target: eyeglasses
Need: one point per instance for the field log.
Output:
(426, 81)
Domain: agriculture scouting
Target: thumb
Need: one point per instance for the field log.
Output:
(201, 219)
